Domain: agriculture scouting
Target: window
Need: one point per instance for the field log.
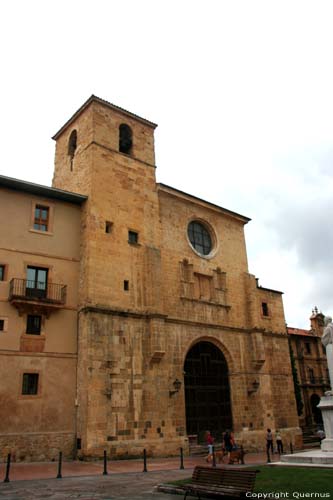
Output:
(2, 272)
(34, 324)
(3, 324)
(307, 347)
(36, 284)
(108, 227)
(311, 375)
(30, 383)
(125, 139)
(199, 237)
(133, 237)
(264, 309)
(126, 285)
(41, 218)
(72, 143)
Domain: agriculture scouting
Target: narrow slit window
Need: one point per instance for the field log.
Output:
(2, 325)
(264, 308)
(126, 285)
(2, 272)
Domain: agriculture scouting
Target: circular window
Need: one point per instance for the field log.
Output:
(199, 237)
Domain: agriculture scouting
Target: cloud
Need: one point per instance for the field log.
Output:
(302, 222)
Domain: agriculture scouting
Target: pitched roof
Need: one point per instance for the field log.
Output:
(39, 190)
(108, 104)
(300, 331)
(181, 194)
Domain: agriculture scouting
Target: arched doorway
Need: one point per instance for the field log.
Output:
(207, 391)
(316, 413)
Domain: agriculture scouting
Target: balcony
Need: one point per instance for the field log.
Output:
(317, 381)
(43, 296)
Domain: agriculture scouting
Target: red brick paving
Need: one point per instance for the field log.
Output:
(46, 470)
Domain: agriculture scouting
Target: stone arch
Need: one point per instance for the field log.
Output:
(225, 351)
(125, 139)
(207, 389)
(316, 413)
(72, 145)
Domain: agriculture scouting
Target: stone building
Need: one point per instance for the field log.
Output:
(173, 334)
(311, 366)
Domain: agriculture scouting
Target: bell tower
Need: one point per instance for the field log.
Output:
(107, 153)
(120, 136)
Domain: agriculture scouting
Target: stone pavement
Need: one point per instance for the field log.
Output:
(85, 481)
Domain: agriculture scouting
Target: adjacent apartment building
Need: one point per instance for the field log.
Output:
(39, 276)
(128, 316)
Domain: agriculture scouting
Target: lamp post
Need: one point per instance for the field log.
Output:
(177, 385)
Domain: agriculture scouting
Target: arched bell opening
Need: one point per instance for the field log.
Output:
(316, 413)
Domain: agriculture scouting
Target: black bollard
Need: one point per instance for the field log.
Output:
(144, 461)
(59, 476)
(268, 456)
(6, 480)
(291, 448)
(105, 471)
(181, 459)
(242, 455)
(214, 458)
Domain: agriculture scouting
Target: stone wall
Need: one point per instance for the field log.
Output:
(37, 447)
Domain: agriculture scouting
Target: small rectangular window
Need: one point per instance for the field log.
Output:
(108, 227)
(2, 325)
(2, 272)
(307, 347)
(30, 383)
(264, 308)
(133, 237)
(34, 324)
(126, 285)
(41, 218)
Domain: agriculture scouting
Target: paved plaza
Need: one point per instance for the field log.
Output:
(85, 480)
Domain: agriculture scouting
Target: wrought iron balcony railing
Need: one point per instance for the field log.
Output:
(42, 292)
(317, 381)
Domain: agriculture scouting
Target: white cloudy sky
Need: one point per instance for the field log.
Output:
(243, 95)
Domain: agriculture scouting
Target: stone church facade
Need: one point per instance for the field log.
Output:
(173, 334)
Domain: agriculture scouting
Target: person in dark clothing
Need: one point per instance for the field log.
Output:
(227, 440)
(269, 441)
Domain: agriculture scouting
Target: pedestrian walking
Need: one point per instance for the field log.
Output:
(279, 444)
(269, 441)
